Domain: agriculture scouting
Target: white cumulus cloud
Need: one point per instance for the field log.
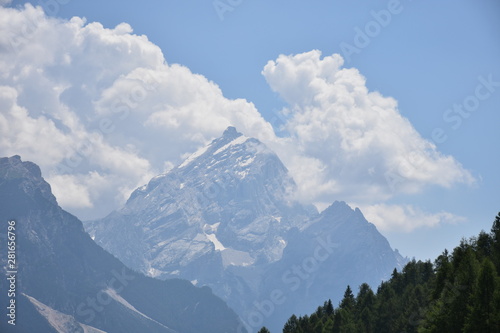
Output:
(101, 111)
(354, 142)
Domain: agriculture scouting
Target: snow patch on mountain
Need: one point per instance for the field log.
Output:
(218, 245)
(194, 156)
(245, 162)
(231, 257)
(238, 141)
(211, 228)
(153, 272)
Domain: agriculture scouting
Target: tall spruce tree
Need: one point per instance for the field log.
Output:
(365, 304)
(483, 312)
(292, 325)
(461, 299)
(495, 235)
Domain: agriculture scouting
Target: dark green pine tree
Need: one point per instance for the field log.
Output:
(328, 326)
(443, 274)
(386, 308)
(264, 330)
(344, 320)
(449, 312)
(337, 321)
(315, 323)
(484, 245)
(328, 307)
(463, 288)
(495, 246)
(365, 307)
(412, 314)
(483, 314)
(436, 319)
(320, 312)
(348, 302)
(292, 325)
(305, 324)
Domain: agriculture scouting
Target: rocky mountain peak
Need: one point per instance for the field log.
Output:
(226, 218)
(28, 175)
(62, 271)
(231, 133)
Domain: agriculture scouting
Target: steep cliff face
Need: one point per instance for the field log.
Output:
(67, 283)
(335, 249)
(225, 218)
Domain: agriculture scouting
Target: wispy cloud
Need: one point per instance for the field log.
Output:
(406, 218)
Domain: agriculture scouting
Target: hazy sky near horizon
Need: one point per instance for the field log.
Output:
(392, 106)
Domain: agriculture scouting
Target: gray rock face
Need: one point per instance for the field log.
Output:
(67, 283)
(335, 249)
(226, 205)
(225, 218)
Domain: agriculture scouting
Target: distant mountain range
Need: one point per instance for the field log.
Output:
(226, 218)
(65, 282)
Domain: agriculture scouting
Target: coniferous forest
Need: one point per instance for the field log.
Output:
(459, 292)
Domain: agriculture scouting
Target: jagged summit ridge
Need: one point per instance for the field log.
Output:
(230, 157)
(217, 146)
(231, 132)
(28, 173)
(221, 149)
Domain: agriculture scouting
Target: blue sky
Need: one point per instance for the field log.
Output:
(428, 56)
